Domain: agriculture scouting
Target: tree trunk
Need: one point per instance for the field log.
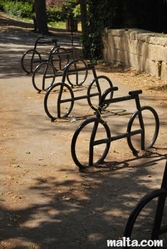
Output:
(83, 14)
(40, 16)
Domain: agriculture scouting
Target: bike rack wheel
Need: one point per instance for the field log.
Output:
(28, 64)
(143, 139)
(95, 90)
(140, 222)
(58, 101)
(76, 77)
(43, 76)
(90, 143)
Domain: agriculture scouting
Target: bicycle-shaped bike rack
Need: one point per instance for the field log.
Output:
(31, 58)
(157, 227)
(93, 149)
(45, 73)
(59, 99)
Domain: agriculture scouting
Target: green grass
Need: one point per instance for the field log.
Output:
(62, 25)
(58, 25)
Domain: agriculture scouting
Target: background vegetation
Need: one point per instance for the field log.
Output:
(20, 9)
(56, 10)
(142, 14)
(101, 14)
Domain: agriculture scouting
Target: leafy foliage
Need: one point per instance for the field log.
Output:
(143, 14)
(19, 9)
(101, 14)
(57, 10)
(62, 10)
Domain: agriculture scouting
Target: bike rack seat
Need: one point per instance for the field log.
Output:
(135, 92)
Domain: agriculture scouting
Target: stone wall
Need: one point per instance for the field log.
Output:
(143, 50)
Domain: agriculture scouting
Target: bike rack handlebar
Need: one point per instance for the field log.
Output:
(77, 69)
(45, 41)
(104, 101)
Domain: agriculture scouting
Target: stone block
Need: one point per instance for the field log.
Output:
(151, 67)
(141, 49)
(164, 72)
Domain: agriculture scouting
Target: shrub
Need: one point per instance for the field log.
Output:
(17, 9)
(56, 14)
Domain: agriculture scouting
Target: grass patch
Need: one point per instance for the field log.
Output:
(62, 25)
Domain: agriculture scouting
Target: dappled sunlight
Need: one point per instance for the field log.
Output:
(46, 201)
(97, 205)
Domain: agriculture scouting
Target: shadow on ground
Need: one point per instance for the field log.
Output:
(46, 203)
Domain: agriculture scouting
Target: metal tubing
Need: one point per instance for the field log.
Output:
(79, 97)
(156, 230)
(91, 143)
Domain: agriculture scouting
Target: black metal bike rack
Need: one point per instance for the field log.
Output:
(75, 71)
(41, 40)
(161, 194)
(94, 141)
(132, 95)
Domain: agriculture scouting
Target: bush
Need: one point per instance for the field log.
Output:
(26, 10)
(62, 12)
(22, 9)
(56, 14)
(17, 9)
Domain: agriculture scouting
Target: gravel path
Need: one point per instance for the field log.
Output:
(45, 202)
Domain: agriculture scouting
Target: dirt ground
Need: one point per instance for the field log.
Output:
(45, 201)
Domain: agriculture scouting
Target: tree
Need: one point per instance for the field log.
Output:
(120, 14)
(40, 16)
(100, 14)
(83, 14)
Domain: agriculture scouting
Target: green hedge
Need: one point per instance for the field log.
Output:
(17, 9)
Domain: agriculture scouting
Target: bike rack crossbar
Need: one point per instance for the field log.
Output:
(78, 97)
(46, 41)
(117, 137)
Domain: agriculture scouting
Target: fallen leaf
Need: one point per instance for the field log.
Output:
(64, 176)
(18, 216)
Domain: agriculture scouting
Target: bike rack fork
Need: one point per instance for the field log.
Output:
(44, 76)
(96, 79)
(138, 106)
(59, 100)
(32, 58)
(91, 143)
(34, 50)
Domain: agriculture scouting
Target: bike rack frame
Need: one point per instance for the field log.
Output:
(132, 95)
(89, 67)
